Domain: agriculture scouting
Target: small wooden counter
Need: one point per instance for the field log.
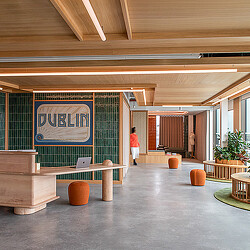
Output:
(157, 156)
(222, 171)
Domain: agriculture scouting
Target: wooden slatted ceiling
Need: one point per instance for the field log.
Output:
(171, 88)
(30, 18)
(110, 16)
(76, 15)
(71, 46)
(183, 15)
(35, 28)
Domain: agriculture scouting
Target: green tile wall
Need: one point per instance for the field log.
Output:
(64, 96)
(107, 130)
(64, 156)
(20, 121)
(106, 135)
(2, 121)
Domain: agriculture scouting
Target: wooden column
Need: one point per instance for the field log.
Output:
(223, 122)
(107, 185)
(237, 113)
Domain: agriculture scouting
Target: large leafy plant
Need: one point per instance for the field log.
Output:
(236, 148)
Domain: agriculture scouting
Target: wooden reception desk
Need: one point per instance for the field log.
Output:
(28, 189)
(156, 156)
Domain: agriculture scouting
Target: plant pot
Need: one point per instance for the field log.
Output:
(218, 161)
(235, 162)
(225, 162)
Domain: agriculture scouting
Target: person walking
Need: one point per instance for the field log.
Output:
(134, 144)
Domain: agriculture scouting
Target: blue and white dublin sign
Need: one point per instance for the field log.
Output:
(62, 123)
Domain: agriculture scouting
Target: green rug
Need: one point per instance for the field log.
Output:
(218, 180)
(224, 195)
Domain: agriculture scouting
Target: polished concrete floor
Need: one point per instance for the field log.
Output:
(155, 208)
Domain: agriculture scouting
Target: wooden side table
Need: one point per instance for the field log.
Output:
(241, 187)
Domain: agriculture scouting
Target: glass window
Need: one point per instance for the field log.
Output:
(231, 120)
(248, 120)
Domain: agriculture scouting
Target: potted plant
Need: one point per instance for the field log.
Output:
(235, 153)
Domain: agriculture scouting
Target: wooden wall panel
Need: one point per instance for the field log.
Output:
(140, 122)
(200, 137)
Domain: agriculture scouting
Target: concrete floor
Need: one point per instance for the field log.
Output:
(155, 208)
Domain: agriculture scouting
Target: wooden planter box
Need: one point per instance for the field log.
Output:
(223, 170)
(229, 162)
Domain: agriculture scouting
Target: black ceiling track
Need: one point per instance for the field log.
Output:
(225, 54)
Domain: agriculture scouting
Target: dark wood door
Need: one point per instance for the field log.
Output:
(151, 132)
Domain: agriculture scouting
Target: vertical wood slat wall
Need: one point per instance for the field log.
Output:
(152, 132)
(172, 131)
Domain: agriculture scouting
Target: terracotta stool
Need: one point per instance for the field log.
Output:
(78, 193)
(173, 163)
(198, 177)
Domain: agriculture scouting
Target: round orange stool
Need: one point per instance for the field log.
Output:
(198, 177)
(78, 193)
(173, 163)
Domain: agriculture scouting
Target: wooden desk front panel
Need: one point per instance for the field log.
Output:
(17, 163)
(24, 190)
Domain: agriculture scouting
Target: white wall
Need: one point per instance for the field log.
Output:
(126, 136)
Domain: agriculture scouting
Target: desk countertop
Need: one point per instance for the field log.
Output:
(70, 170)
(45, 171)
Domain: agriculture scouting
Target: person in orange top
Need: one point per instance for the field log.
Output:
(134, 144)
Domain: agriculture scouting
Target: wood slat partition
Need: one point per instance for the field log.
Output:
(152, 132)
(172, 131)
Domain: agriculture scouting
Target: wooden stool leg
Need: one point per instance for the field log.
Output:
(25, 211)
(107, 185)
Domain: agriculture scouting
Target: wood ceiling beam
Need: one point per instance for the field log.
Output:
(214, 62)
(238, 35)
(239, 94)
(178, 104)
(125, 12)
(192, 34)
(69, 15)
(235, 84)
(44, 71)
(92, 87)
(139, 98)
(9, 85)
(33, 50)
(149, 97)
